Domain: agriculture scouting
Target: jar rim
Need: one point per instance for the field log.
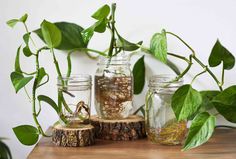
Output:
(164, 80)
(79, 77)
(75, 80)
(116, 60)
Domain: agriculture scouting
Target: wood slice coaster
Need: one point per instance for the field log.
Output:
(131, 128)
(73, 137)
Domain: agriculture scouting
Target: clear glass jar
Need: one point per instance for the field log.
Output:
(114, 88)
(75, 99)
(161, 124)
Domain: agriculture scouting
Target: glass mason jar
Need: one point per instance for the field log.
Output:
(75, 99)
(161, 124)
(114, 88)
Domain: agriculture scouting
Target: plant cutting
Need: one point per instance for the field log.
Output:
(188, 103)
(71, 37)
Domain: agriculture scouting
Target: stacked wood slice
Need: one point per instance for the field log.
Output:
(131, 128)
(73, 137)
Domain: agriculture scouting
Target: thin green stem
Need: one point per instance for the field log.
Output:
(110, 52)
(34, 96)
(219, 84)
(29, 73)
(197, 76)
(27, 94)
(190, 48)
(209, 71)
(56, 65)
(178, 56)
(185, 71)
(27, 30)
(69, 64)
(222, 75)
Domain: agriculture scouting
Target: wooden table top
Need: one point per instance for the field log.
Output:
(221, 146)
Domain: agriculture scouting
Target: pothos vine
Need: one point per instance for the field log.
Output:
(55, 36)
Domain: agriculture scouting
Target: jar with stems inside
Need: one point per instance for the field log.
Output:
(161, 124)
(75, 92)
(114, 88)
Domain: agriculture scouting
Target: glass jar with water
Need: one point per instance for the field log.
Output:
(161, 124)
(75, 98)
(114, 88)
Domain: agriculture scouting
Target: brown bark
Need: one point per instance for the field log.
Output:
(131, 128)
(73, 137)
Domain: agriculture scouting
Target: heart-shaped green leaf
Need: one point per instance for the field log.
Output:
(51, 34)
(102, 12)
(158, 46)
(71, 36)
(17, 60)
(19, 81)
(200, 131)
(41, 75)
(26, 134)
(207, 97)
(225, 103)
(207, 104)
(27, 52)
(23, 18)
(11, 23)
(220, 54)
(99, 26)
(49, 101)
(26, 38)
(185, 102)
(139, 75)
(126, 45)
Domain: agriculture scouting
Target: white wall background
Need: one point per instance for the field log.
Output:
(199, 22)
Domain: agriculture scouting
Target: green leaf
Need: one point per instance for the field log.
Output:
(225, 103)
(19, 81)
(17, 61)
(26, 38)
(102, 12)
(41, 75)
(99, 26)
(220, 54)
(200, 131)
(206, 105)
(27, 52)
(207, 97)
(185, 102)
(139, 75)
(5, 152)
(158, 46)
(87, 34)
(26, 134)
(11, 23)
(51, 34)
(126, 45)
(71, 37)
(24, 18)
(49, 101)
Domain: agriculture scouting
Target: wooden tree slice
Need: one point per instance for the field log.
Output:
(131, 128)
(73, 137)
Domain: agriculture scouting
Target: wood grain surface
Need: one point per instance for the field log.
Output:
(221, 146)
